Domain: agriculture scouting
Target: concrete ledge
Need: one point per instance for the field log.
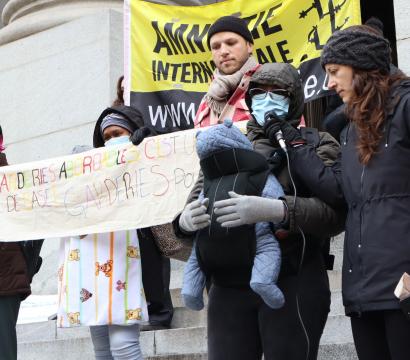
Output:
(26, 17)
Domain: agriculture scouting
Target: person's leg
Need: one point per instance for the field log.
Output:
(193, 284)
(101, 342)
(369, 336)
(156, 274)
(233, 324)
(266, 267)
(161, 317)
(293, 332)
(125, 342)
(398, 334)
(9, 310)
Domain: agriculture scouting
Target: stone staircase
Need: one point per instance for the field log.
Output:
(187, 339)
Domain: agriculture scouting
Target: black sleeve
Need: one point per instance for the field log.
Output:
(314, 217)
(323, 181)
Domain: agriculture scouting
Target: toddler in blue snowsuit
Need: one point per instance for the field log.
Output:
(267, 259)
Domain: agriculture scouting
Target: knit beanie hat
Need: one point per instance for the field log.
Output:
(357, 48)
(230, 23)
(376, 24)
(117, 120)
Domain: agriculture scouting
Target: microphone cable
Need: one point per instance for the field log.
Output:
(302, 324)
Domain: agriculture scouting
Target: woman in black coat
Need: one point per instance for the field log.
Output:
(372, 177)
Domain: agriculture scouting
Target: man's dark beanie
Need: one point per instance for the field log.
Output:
(357, 48)
(230, 23)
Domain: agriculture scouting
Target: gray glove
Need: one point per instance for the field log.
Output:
(242, 209)
(194, 216)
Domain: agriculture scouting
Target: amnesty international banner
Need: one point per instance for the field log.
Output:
(169, 63)
(105, 189)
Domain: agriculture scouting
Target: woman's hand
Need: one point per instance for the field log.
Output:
(291, 135)
(242, 209)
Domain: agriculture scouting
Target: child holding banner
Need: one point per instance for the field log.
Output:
(100, 281)
(156, 265)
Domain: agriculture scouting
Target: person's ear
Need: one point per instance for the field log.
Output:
(250, 48)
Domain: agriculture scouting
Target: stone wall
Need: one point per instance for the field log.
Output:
(402, 15)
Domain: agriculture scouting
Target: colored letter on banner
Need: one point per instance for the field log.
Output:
(169, 62)
(105, 189)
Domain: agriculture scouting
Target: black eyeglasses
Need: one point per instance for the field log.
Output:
(260, 94)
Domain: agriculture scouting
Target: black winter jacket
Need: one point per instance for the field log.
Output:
(318, 220)
(377, 241)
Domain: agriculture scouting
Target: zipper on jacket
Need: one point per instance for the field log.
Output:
(361, 180)
(213, 202)
(359, 246)
(347, 134)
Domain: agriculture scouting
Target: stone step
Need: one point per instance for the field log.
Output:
(38, 309)
(184, 317)
(39, 339)
(335, 283)
(199, 356)
(335, 279)
(337, 352)
(174, 344)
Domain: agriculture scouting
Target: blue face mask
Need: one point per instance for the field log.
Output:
(117, 140)
(279, 104)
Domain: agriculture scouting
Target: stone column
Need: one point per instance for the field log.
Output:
(22, 18)
(402, 15)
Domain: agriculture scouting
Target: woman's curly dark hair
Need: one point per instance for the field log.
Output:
(120, 92)
(369, 106)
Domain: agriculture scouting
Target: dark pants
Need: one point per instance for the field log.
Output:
(242, 327)
(156, 273)
(163, 314)
(382, 335)
(9, 310)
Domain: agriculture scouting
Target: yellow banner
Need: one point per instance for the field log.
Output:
(168, 44)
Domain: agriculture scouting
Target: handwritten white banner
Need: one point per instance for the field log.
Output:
(105, 189)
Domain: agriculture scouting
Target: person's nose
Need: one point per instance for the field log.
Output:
(224, 50)
(331, 83)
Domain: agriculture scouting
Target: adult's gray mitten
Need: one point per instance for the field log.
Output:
(194, 216)
(243, 209)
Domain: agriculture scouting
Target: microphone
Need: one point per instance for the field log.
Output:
(281, 140)
(270, 115)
